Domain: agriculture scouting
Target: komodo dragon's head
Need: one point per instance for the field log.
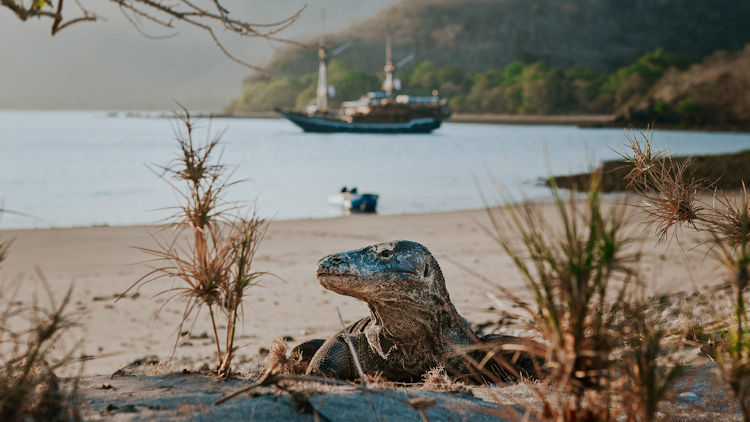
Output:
(401, 274)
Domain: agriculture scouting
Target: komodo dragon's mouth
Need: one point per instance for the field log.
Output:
(372, 276)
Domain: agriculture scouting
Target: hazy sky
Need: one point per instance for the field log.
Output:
(109, 65)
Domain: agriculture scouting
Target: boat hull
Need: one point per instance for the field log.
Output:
(358, 203)
(329, 125)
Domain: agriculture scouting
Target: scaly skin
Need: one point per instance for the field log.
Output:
(413, 326)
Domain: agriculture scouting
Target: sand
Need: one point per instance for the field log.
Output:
(101, 263)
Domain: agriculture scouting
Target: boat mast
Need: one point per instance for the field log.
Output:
(322, 93)
(389, 67)
(321, 101)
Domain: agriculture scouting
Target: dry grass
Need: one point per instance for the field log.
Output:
(437, 379)
(4, 247)
(730, 219)
(727, 221)
(650, 358)
(667, 184)
(580, 270)
(570, 275)
(211, 244)
(29, 358)
(279, 362)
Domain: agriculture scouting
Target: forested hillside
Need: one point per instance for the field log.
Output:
(482, 34)
(514, 56)
(714, 92)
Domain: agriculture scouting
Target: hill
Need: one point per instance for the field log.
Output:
(513, 56)
(712, 93)
(481, 34)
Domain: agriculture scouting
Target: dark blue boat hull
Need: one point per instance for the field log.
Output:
(327, 125)
(365, 203)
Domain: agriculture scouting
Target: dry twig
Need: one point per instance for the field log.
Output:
(209, 16)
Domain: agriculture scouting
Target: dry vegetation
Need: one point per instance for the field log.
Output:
(209, 243)
(29, 357)
(671, 200)
(580, 270)
(610, 352)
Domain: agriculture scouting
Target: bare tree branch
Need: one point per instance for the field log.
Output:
(206, 15)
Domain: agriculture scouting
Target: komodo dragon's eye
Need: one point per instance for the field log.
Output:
(385, 253)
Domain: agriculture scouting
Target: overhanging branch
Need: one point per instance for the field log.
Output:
(206, 15)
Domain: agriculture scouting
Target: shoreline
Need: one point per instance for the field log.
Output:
(524, 119)
(273, 221)
(488, 118)
(588, 121)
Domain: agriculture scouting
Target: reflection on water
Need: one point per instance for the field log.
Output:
(85, 168)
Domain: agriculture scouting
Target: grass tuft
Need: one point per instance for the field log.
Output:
(666, 184)
(211, 244)
(278, 362)
(577, 278)
(727, 221)
(4, 248)
(602, 351)
(648, 359)
(437, 379)
(29, 388)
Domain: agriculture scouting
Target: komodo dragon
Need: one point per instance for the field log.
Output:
(413, 326)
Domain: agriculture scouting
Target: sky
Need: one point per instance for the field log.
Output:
(109, 65)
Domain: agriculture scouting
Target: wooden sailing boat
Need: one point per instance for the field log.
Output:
(374, 112)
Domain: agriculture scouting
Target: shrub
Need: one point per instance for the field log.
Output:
(605, 345)
(661, 107)
(672, 201)
(688, 107)
(215, 260)
(577, 277)
(29, 388)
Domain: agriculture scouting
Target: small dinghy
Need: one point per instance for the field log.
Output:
(353, 201)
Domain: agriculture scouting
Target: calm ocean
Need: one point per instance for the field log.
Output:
(86, 168)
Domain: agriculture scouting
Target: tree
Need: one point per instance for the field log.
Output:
(543, 89)
(206, 15)
(349, 84)
(423, 78)
(637, 78)
(486, 95)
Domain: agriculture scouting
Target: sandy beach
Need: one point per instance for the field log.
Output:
(102, 262)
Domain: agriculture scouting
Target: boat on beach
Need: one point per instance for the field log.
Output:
(353, 201)
(374, 112)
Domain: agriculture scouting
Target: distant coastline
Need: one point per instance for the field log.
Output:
(722, 171)
(582, 120)
(534, 119)
(561, 119)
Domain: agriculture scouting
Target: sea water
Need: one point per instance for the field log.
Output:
(62, 169)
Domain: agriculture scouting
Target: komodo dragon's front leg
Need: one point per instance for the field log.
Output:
(333, 359)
